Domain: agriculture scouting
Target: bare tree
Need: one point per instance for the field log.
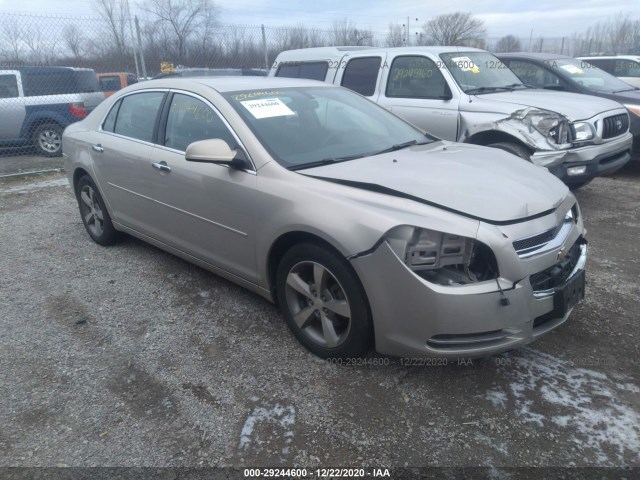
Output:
(508, 43)
(459, 28)
(620, 33)
(395, 35)
(74, 40)
(344, 32)
(12, 38)
(182, 20)
(115, 14)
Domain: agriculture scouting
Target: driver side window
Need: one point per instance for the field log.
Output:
(191, 120)
(530, 73)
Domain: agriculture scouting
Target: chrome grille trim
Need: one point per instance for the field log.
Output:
(545, 241)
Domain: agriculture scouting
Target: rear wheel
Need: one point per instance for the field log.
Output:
(323, 302)
(48, 139)
(95, 216)
(514, 148)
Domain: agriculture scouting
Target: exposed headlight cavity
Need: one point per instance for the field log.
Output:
(550, 124)
(443, 258)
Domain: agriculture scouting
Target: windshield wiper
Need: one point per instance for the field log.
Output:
(400, 146)
(625, 90)
(492, 89)
(324, 161)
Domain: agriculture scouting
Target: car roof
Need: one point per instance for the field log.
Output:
(231, 84)
(321, 53)
(45, 70)
(610, 57)
(532, 55)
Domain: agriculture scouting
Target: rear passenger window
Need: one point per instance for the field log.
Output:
(309, 70)
(8, 86)
(191, 120)
(361, 75)
(110, 122)
(108, 84)
(416, 77)
(137, 115)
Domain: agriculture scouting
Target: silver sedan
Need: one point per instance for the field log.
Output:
(365, 230)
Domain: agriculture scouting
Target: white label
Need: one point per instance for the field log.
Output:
(572, 69)
(466, 64)
(267, 108)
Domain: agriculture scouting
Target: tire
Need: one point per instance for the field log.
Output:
(93, 212)
(332, 321)
(514, 148)
(47, 139)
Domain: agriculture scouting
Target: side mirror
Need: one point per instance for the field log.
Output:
(554, 86)
(216, 151)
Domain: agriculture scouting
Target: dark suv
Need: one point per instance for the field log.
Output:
(37, 103)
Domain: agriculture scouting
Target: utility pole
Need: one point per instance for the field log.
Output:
(530, 39)
(140, 49)
(562, 47)
(264, 48)
(133, 42)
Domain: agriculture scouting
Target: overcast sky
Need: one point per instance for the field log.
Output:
(550, 18)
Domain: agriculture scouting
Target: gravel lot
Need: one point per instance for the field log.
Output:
(128, 356)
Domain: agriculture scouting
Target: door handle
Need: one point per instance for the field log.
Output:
(161, 166)
(97, 148)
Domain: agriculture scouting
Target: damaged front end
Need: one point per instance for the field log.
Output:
(548, 134)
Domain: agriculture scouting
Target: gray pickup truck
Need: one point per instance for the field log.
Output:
(468, 95)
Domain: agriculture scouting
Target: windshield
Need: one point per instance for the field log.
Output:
(480, 72)
(587, 75)
(304, 127)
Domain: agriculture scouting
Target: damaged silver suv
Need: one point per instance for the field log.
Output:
(469, 95)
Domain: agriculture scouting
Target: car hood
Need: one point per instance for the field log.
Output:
(574, 106)
(483, 183)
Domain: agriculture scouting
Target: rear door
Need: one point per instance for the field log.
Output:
(120, 151)
(12, 105)
(415, 89)
(206, 210)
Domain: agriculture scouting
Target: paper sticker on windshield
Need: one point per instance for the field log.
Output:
(267, 108)
(572, 69)
(465, 64)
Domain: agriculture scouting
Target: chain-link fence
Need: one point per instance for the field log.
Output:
(54, 68)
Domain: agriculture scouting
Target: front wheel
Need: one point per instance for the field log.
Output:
(95, 216)
(514, 148)
(48, 139)
(323, 302)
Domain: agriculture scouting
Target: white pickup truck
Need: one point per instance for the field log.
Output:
(468, 95)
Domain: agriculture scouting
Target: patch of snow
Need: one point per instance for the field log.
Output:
(281, 418)
(585, 401)
(33, 186)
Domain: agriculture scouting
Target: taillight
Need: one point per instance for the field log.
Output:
(78, 110)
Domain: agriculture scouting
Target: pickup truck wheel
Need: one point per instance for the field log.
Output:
(323, 302)
(514, 148)
(48, 139)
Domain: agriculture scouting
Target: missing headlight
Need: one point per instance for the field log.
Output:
(443, 258)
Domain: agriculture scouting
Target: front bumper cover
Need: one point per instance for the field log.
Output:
(415, 318)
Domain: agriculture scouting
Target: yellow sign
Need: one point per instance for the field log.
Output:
(167, 67)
